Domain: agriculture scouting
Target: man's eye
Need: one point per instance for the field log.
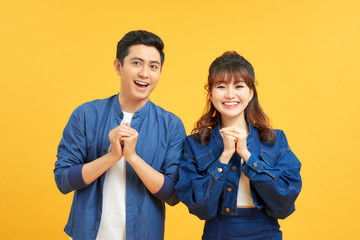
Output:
(154, 67)
(137, 63)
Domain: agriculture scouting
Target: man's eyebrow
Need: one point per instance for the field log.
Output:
(142, 60)
(154, 61)
(137, 58)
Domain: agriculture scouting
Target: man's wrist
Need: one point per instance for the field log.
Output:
(132, 158)
(113, 158)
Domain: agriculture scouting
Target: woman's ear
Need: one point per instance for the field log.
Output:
(251, 95)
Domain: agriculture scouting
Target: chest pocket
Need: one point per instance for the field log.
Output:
(205, 160)
(268, 157)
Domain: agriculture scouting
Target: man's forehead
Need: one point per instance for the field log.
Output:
(146, 53)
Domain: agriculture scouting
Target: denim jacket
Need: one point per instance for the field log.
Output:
(85, 138)
(209, 187)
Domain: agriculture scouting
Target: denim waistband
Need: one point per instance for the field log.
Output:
(245, 212)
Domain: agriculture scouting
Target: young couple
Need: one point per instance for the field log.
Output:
(124, 156)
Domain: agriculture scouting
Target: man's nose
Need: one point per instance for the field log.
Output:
(144, 72)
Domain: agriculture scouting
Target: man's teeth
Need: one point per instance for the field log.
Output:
(230, 103)
(141, 83)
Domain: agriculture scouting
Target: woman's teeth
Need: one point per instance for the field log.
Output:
(230, 103)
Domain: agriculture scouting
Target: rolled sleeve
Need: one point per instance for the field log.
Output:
(71, 155)
(75, 178)
(174, 152)
(170, 167)
(167, 189)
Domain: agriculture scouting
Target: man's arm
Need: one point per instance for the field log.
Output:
(71, 171)
(92, 170)
(160, 185)
(152, 179)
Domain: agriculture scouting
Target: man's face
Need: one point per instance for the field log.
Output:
(139, 74)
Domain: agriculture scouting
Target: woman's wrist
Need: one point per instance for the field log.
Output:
(225, 157)
(245, 155)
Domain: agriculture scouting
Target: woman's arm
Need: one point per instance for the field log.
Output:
(276, 178)
(200, 182)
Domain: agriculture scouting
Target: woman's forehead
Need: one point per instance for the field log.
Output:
(226, 77)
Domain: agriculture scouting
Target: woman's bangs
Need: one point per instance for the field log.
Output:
(229, 73)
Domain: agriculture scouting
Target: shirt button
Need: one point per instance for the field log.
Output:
(233, 168)
(227, 209)
(229, 189)
(255, 164)
(219, 169)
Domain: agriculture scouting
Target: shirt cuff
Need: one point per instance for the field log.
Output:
(167, 189)
(75, 178)
(253, 164)
(218, 169)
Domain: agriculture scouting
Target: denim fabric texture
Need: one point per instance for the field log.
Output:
(85, 138)
(249, 224)
(209, 188)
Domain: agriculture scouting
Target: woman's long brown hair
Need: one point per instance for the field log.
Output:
(225, 68)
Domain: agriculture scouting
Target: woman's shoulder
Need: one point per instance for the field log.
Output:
(193, 139)
(281, 142)
(193, 142)
(280, 136)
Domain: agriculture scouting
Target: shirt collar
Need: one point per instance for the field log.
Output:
(138, 114)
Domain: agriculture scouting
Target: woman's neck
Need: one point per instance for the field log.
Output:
(240, 123)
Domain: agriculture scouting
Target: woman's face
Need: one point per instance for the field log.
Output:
(231, 98)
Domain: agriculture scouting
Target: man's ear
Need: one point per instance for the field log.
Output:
(117, 66)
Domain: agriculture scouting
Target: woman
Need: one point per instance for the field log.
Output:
(237, 173)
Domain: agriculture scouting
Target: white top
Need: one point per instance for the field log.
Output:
(113, 218)
(244, 198)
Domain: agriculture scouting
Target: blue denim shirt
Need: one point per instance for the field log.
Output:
(209, 187)
(85, 138)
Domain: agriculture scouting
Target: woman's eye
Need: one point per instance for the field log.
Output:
(220, 86)
(239, 86)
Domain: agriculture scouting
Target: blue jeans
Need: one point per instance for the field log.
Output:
(249, 224)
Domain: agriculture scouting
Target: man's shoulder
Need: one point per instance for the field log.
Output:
(93, 108)
(168, 119)
(162, 112)
(96, 105)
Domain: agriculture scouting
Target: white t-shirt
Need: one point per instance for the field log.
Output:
(113, 218)
(243, 197)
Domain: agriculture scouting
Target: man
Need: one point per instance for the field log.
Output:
(121, 154)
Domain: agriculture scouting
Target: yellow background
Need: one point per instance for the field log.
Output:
(56, 55)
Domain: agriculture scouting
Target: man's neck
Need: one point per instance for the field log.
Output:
(131, 106)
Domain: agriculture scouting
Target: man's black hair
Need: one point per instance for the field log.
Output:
(139, 37)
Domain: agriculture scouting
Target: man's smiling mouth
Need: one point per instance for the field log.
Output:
(141, 84)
